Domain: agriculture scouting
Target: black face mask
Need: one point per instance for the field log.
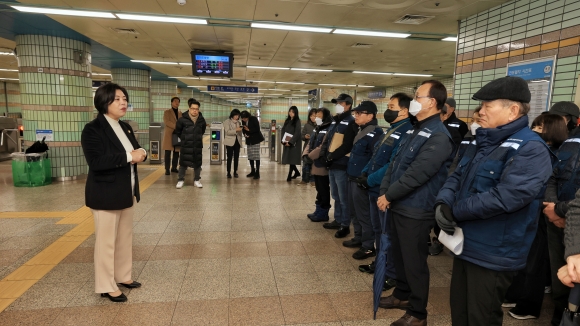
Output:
(571, 124)
(391, 115)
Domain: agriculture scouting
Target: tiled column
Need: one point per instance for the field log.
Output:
(55, 95)
(137, 82)
(161, 94)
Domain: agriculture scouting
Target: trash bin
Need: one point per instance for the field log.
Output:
(31, 170)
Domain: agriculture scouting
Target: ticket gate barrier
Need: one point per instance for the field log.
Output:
(155, 138)
(215, 143)
(273, 141)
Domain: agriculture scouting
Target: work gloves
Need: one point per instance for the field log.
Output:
(362, 182)
(444, 218)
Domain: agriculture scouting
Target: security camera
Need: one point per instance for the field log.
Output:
(181, 2)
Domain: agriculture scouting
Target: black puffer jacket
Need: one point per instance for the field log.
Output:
(191, 135)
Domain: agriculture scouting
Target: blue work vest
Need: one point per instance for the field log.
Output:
(362, 151)
(567, 169)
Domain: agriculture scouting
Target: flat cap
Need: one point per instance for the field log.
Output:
(451, 102)
(366, 106)
(342, 98)
(565, 108)
(505, 88)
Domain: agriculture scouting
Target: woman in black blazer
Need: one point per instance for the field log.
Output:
(112, 188)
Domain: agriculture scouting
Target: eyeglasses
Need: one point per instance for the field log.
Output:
(357, 113)
(417, 97)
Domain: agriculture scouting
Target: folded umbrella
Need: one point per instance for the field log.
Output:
(380, 265)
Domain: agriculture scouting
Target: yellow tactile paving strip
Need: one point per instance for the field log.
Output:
(19, 281)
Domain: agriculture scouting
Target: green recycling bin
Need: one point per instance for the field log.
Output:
(31, 170)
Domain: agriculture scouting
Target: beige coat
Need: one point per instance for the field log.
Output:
(230, 133)
(169, 121)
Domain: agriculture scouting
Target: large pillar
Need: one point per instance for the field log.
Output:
(137, 82)
(161, 94)
(56, 95)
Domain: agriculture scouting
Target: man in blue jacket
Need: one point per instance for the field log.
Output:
(494, 196)
(398, 116)
(413, 178)
(362, 151)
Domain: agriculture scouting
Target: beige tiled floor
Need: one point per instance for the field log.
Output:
(236, 252)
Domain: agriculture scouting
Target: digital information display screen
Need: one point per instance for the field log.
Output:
(212, 65)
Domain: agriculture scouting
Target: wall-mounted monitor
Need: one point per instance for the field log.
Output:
(212, 64)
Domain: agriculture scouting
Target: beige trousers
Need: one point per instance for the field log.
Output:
(113, 248)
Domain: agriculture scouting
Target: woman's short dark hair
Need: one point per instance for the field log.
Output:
(296, 117)
(193, 101)
(554, 130)
(105, 95)
(234, 113)
(437, 91)
(326, 115)
(245, 114)
(404, 100)
(175, 98)
(311, 112)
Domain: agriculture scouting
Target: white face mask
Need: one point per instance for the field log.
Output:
(474, 126)
(338, 109)
(318, 121)
(415, 107)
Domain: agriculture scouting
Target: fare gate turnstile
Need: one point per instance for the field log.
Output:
(272, 141)
(215, 143)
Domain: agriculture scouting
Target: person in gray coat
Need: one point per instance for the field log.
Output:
(306, 161)
(292, 141)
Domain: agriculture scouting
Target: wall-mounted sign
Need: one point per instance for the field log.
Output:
(377, 93)
(232, 89)
(539, 74)
(40, 134)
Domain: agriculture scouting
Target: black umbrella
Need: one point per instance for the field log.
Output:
(37, 147)
(380, 266)
(570, 316)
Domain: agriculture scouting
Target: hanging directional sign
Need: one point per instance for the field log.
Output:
(232, 89)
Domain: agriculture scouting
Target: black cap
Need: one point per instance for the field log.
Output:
(451, 102)
(565, 108)
(342, 98)
(505, 88)
(367, 106)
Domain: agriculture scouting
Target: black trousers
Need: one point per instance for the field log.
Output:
(168, 159)
(361, 215)
(322, 184)
(410, 253)
(560, 292)
(233, 152)
(527, 289)
(477, 294)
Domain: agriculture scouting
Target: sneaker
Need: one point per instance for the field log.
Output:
(179, 184)
(508, 305)
(548, 289)
(363, 253)
(436, 247)
(520, 316)
(198, 184)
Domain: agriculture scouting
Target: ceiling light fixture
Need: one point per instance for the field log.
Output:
(220, 79)
(344, 85)
(308, 69)
(290, 83)
(292, 28)
(185, 64)
(99, 74)
(262, 67)
(15, 70)
(155, 62)
(276, 89)
(9, 79)
(412, 75)
(6, 53)
(259, 81)
(163, 19)
(369, 33)
(450, 39)
(197, 86)
(364, 86)
(372, 73)
(66, 12)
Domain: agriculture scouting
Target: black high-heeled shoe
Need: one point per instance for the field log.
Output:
(296, 175)
(133, 285)
(119, 298)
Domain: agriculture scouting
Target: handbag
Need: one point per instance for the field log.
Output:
(175, 140)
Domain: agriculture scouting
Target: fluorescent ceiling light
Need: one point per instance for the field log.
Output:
(364, 86)
(9, 70)
(276, 94)
(262, 67)
(331, 84)
(351, 85)
(198, 86)
(9, 79)
(308, 69)
(66, 12)
(221, 79)
(450, 39)
(163, 19)
(290, 83)
(155, 62)
(259, 81)
(98, 74)
(369, 33)
(292, 28)
(372, 73)
(185, 64)
(6, 53)
(276, 89)
(412, 75)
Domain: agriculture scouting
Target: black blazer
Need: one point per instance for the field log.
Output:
(109, 182)
(255, 134)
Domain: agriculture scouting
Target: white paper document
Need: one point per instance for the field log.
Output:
(287, 137)
(453, 242)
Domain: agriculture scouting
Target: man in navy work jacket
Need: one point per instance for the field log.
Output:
(413, 179)
(398, 116)
(494, 196)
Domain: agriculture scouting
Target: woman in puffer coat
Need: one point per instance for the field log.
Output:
(190, 129)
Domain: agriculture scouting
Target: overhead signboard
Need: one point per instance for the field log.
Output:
(377, 93)
(232, 89)
(539, 74)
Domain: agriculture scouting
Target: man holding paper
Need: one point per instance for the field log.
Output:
(494, 196)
